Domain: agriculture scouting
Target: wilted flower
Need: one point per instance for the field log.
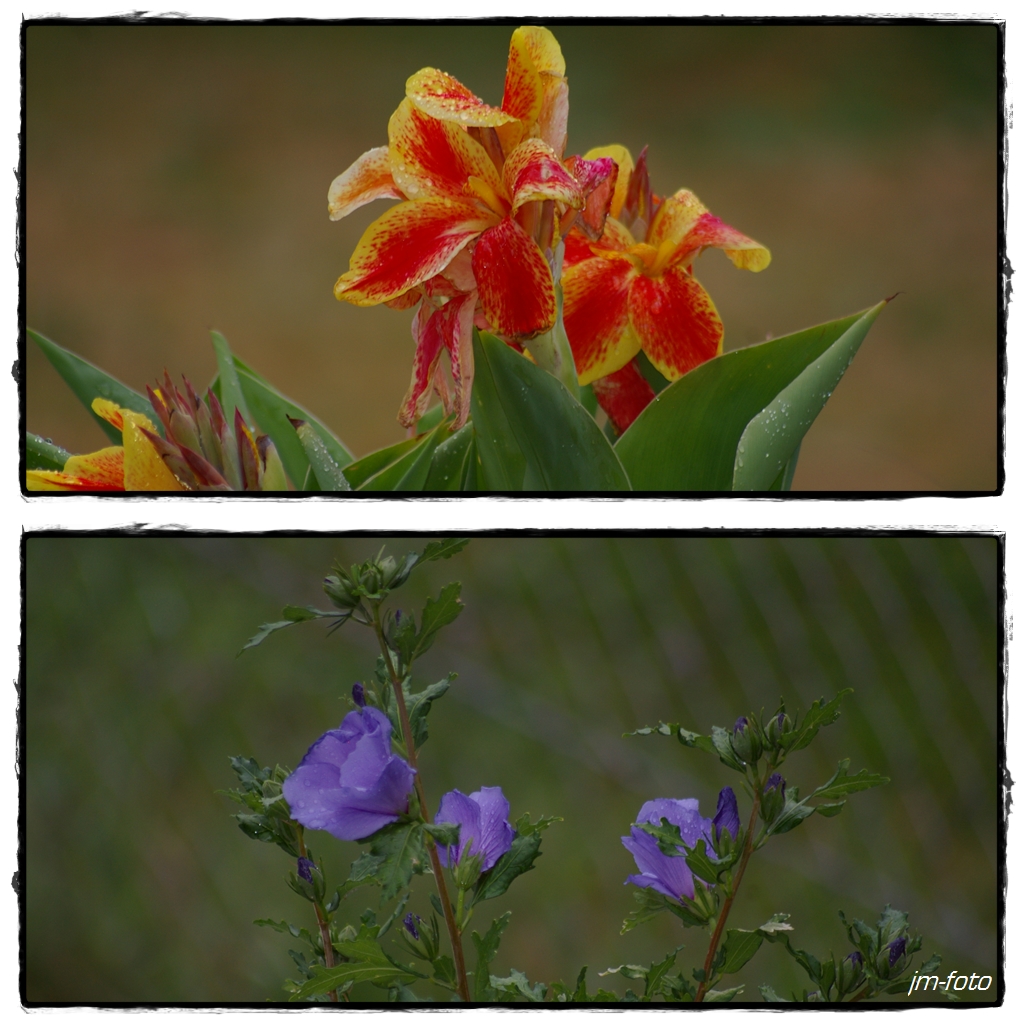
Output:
(350, 783)
(668, 875)
(483, 817)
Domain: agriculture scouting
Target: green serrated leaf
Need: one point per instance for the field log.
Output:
(841, 784)
(830, 810)
(531, 434)
(379, 970)
(693, 739)
(436, 615)
(486, 950)
(89, 382)
(517, 861)
(437, 549)
(43, 454)
(265, 630)
(525, 827)
(793, 813)
(400, 849)
(725, 995)
(770, 995)
(443, 834)
(720, 740)
(739, 947)
(517, 984)
(820, 714)
(444, 971)
(775, 925)
(418, 706)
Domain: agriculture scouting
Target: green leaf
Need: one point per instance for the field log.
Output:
(518, 860)
(418, 707)
(739, 947)
(770, 995)
(329, 474)
(231, 396)
(249, 773)
(400, 849)
(409, 473)
(693, 739)
(486, 950)
(444, 971)
(688, 439)
(775, 926)
(367, 962)
(841, 785)
(531, 434)
(292, 615)
(89, 382)
(525, 827)
(430, 419)
(363, 469)
(447, 468)
(43, 454)
(443, 834)
(517, 984)
(437, 549)
(436, 615)
(792, 814)
(830, 810)
(725, 995)
(818, 715)
(273, 413)
(720, 739)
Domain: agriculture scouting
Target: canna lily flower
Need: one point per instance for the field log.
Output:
(487, 199)
(135, 465)
(633, 289)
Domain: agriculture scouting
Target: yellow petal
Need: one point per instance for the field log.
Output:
(447, 99)
(676, 215)
(367, 179)
(624, 159)
(144, 470)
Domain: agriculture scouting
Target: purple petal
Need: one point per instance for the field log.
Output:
(671, 874)
(728, 816)
(496, 834)
(457, 809)
(684, 813)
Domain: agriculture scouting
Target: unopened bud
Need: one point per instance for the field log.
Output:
(745, 741)
(359, 695)
(410, 925)
(773, 797)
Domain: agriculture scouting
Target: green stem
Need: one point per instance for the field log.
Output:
(325, 931)
(748, 848)
(454, 935)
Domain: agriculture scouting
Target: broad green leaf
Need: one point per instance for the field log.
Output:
(519, 859)
(739, 947)
(486, 950)
(688, 438)
(43, 454)
(820, 713)
(400, 847)
(436, 615)
(693, 739)
(329, 474)
(444, 834)
(723, 747)
(517, 984)
(531, 434)
(271, 411)
(430, 419)
(379, 970)
(791, 815)
(418, 706)
(773, 435)
(409, 473)
(231, 396)
(361, 470)
(830, 810)
(89, 382)
(770, 995)
(448, 463)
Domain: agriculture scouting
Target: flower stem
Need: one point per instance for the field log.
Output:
(454, 935)
(748, 848)
(325, 931)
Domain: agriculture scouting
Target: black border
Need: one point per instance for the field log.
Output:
(1003, 268)
(1003, 780)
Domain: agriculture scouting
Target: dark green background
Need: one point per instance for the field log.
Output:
(176, 181)
(139, 886)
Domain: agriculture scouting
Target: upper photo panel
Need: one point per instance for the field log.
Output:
(552, 258)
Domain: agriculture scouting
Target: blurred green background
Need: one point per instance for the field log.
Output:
(140, 887)
(176, 181)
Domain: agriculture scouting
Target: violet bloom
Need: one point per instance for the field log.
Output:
(728, 815)
(350, 783)
(668, 875)
(483, 817)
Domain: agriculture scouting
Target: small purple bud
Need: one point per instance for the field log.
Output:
(741, 724)
(728, 815)
(896, 949)
(398, 616)
(775, 781)
(856, 958)
(305, 868)
(359, 695)
(410, 925)
(781, 719)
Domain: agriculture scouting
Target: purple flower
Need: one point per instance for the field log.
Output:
(668, 875)
(483, 817)
(305, 868)
(896, 949)
(728, 815)
(350, 783)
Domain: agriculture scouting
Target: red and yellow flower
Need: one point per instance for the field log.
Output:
(633, 289)
(486, 198)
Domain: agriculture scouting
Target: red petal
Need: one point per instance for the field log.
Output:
(744, 252)
(597, 179)
(367, 179)
(596, 314)
(407, 246)
(424, 364)
(439, 95)
(516, 289)
(533, 173)
(623, 395)
(676, 321)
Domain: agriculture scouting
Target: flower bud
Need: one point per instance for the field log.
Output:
(778, 727)
(745, 741)
(773, 797)
(896, 949)
(410, 925)
(305, 868)
(359, 695)
(850, 973)
(338, 590)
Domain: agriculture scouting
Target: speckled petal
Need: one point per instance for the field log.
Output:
(596, 314)
(516, 289)
(144, 469)
(676, 216)
(438, 94)
(367, 179)
(624, 159)
(623, 395)
(408, 245)
(435, 158)
(744, 252)
(675, 320)
(533, 173)
(98, 471)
